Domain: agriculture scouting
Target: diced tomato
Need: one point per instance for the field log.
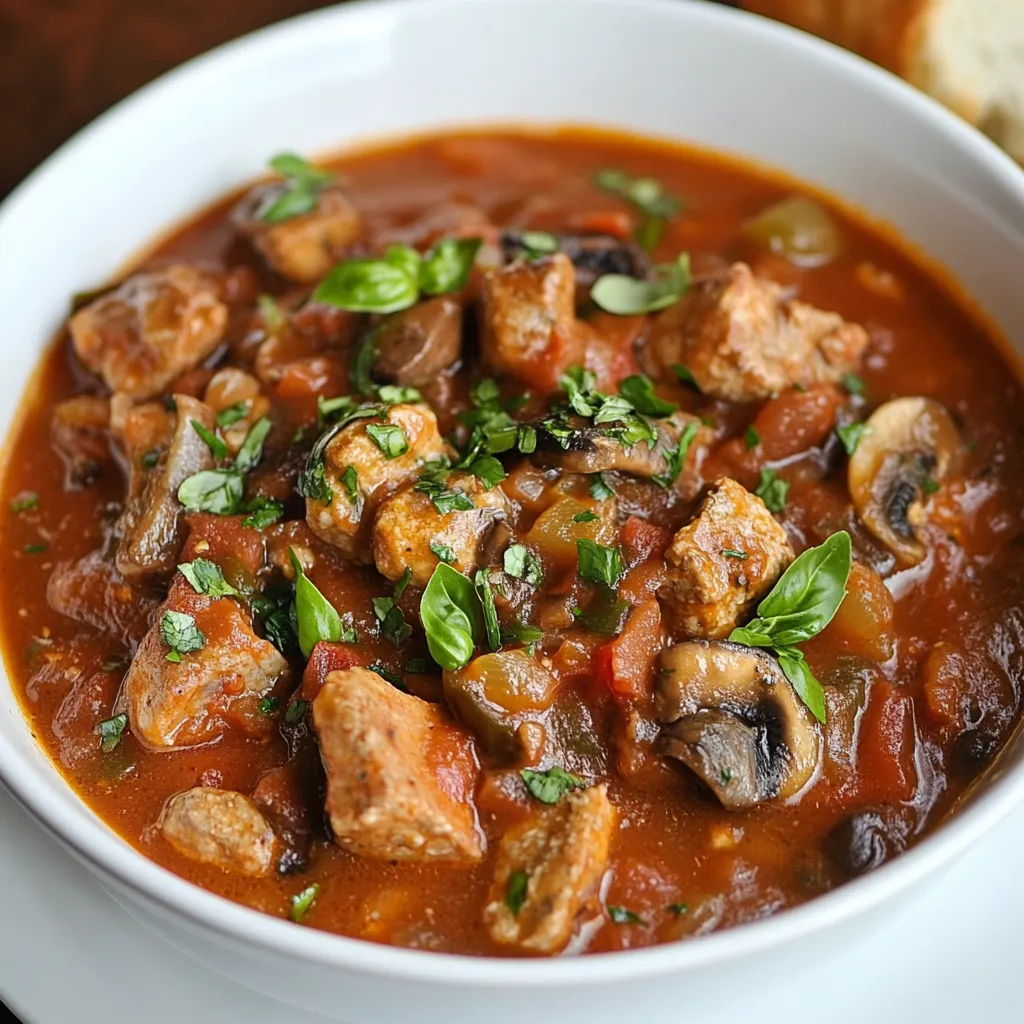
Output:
(796, 420)
(603, 222)
(626, 664)
(237, 549)
(886, 744)
(305, 380)
(325, 659)
(644, 540)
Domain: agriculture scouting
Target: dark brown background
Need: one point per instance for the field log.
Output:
(62, 62)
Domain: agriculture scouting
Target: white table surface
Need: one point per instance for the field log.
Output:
(70, 955)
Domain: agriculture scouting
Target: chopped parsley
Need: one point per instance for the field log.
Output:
(621, 915)
(516, 891)
(302, 185)
(752, 438)
(181, 634)
(218, 449)
(551, 785)
(24, 501)
(111, 732)
(302, 902)
(587, 516)
(206, 578)
(598, 563)
(772, 491)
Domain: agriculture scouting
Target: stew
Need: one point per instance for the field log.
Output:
(519, 544)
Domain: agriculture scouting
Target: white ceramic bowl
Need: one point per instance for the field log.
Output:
(680, 69)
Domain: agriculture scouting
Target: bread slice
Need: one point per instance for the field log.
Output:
(968, 54)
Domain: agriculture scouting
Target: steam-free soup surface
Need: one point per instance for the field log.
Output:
(501, 708)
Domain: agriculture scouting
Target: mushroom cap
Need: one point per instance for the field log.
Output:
(905, 442)
(733, 718)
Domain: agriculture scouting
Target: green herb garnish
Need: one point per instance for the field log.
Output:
(181, 634)
(551, 785)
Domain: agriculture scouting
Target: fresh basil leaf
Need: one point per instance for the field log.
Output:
(526, 440)
(551, 785)
(452, 617)
(648, 195)
(295, 202)
(180, 632)
(233, 413)
(350, 480)
(598, 563)
(392, 621)
(369, 286)
(451, 501)
(677, 457)
(606, 614)
(303, 182)
(212, 490)
(303, 902)
(629, 296)
(521, 562)
(406, 258)
(275, 609)
(263, 512)
(751, 438)
(485, 592)
(853, 384)
(296, 712)
(750, 636)
(391, 394)
(537, 243)
(218, 449)
(251, 452)
(206, 578)
(488, 469)
(850, 436)
(389, 438)
(446, 267)
(684, 375)
(516, 891)
(808, 594)
(521, 634)
(599, 488)
(442, 551)
(638, 390)
(331, 409)
(585, 517)
(295, 168)
(772, 491)
(620, 915)
(111, 731)
(317, 617)
(807, 687)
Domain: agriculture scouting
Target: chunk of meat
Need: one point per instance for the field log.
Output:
(400, 774)
(196, 700)
(156, 326)
(222, 828)
(152, 526)
(528, 323)
(300, 248)
(418, 345)
(346, 523)
(91, 590)
(722, 562)
(79, 433)
(742, 341)
(561, 852)
(408, 523)
(230, 388)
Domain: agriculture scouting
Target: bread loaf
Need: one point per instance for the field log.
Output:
(968, 54)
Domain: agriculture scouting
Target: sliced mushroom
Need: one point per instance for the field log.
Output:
(152, 527)
(591, 450)
(592, 254)
(419, 344)
(906, 443)
(733, 718)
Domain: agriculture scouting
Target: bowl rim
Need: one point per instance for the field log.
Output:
(113, 858)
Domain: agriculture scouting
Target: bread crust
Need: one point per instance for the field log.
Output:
(885, 31)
